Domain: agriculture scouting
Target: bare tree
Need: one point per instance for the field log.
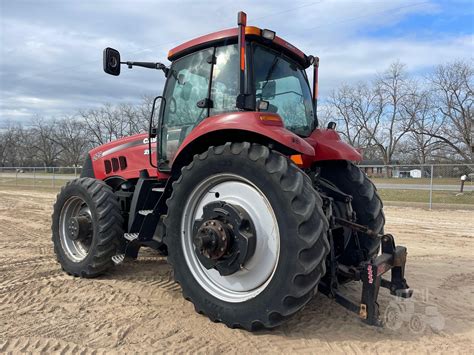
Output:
(5, 139)
(104, 124)
(26, 152)
(9, 144)
(109, 122)
(372, 115)
(388, 128)
(420, 108)
(359, 107)
(72, 138)
(41, 139)
(452, 88)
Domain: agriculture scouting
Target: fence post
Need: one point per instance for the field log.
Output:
(431, 188)
(34, 177)
(75, 171)
(53, 178)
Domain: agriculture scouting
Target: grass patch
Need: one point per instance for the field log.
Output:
(424, 181)
(27, 182)
(446, 197)
(395, 195)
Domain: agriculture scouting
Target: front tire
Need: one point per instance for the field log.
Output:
(86, 227)
(291, 243)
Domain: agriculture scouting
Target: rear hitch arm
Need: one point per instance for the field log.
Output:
(371, 273)
(392, 258)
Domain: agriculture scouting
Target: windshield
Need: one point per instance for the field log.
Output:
(281, 82)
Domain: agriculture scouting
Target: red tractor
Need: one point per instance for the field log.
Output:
(255, 206)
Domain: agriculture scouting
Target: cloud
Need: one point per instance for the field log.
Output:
(51, 51)
(362, 59)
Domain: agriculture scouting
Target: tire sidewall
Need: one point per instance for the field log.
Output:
(71, 190)
(288, 223)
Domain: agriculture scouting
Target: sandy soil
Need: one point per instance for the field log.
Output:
(137, 306)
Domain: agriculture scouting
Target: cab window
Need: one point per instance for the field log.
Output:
(225, 76)
(188, 83)
(283, 83)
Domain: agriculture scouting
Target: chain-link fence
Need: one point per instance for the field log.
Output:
(40, 177)
(424, 185)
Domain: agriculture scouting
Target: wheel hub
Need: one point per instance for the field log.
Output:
(224, 238)
(79, 227)
(212, 239)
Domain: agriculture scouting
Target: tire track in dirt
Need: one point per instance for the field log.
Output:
(9, 263)
(43, 345)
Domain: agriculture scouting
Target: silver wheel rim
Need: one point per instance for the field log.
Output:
(258, 271)
(76, 250)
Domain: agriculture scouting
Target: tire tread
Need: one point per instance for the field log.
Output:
(305, 206)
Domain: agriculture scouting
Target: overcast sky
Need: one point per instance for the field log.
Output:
(51, 50)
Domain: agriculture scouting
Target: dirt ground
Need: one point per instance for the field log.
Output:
(137, 307)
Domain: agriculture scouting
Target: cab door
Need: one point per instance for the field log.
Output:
(187, 102)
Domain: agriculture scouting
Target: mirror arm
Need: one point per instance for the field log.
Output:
(149, 65)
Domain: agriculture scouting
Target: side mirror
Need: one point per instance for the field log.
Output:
(269, 90)
(111, 61)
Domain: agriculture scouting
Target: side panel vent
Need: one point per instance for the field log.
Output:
(115, 164)
(108, 166)
(123, 163)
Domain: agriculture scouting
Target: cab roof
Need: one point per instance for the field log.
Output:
(230, 36)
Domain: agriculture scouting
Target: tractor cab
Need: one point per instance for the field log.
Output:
(244, 69)
(204, 82)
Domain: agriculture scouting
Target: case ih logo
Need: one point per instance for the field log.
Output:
(146, 140)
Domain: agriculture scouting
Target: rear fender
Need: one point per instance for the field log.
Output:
(328, 146)
(254, 127)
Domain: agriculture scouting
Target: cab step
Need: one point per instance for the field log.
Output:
(145, 212)
(118, 259)
(130, 236)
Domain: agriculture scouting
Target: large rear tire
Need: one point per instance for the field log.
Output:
(291, 242)
(87, 227)
(366, 203)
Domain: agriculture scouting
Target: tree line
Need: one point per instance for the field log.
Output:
(394, 118)
(401, 118)
(65, 141)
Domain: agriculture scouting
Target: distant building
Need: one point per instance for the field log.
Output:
(406, 172)
(374, 168)
(402, 172)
